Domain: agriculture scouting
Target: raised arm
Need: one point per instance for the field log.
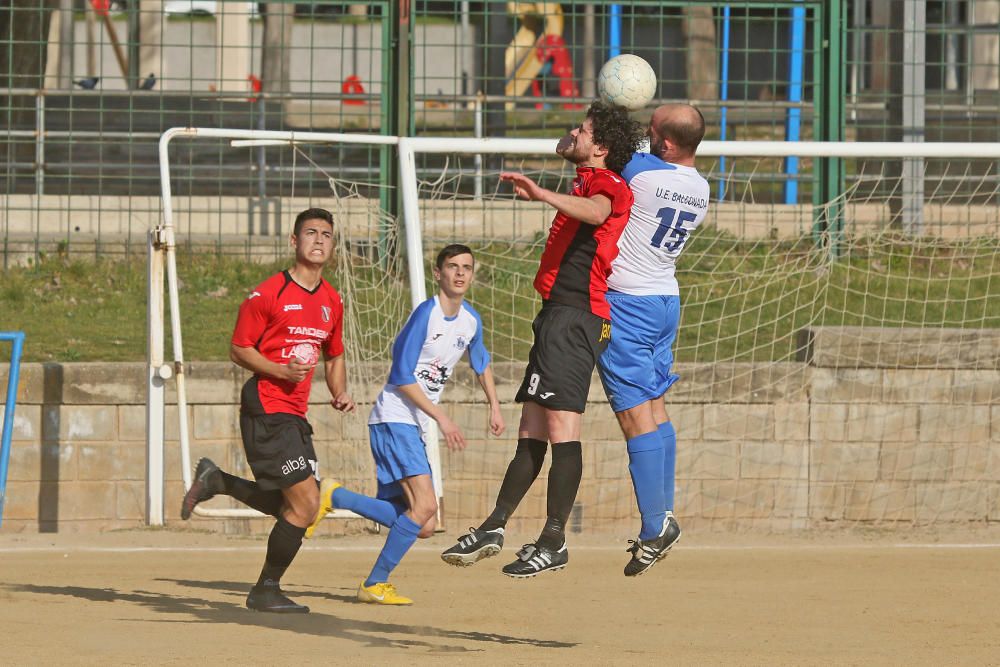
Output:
(590, 210)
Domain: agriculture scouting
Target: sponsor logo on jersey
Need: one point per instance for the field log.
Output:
(433, 376)
(293, 306)
(306, 353)
(435, 337)
(307, 331)
(252, 295)
(325, 313)
(291, 465)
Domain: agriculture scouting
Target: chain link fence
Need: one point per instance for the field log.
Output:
(87, 86)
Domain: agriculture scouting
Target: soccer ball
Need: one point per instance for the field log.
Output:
(627, 81)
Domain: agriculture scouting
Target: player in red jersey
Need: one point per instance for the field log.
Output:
(571, 331)
(283, 327)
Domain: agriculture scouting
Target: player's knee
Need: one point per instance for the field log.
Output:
(636, 421)
(305, 509)
(424, 510)
(427, 530)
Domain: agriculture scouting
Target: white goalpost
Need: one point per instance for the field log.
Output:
(442, 181)
(163, 263)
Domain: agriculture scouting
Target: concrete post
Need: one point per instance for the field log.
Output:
(907, 105)
(232, 46)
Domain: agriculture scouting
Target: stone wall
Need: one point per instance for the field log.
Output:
(772, 446)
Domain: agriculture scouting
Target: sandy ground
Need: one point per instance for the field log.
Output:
(164, 597)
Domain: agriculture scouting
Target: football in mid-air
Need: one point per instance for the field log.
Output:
(627, 81)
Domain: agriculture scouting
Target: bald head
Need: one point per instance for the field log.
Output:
(675, 132)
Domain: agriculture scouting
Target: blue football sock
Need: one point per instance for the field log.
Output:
(376, 509)
(402, 535)
(669, 437)
(645, 464)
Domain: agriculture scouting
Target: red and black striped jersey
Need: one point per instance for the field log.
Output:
(282, 319)
(577, 258)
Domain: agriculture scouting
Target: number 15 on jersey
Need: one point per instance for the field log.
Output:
(671, 228)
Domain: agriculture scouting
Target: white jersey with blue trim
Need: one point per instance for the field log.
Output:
(670, 202)
(425, 352)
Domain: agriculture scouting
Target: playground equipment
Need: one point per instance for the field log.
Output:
(538, 48)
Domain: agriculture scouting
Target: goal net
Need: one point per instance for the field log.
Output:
(838, 360)
(366, 269)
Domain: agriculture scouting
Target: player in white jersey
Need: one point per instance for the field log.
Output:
(438, 333)
(671, 199)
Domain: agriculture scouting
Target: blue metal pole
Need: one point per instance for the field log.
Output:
(615, 31)
(8, 413)
(723, 97)
(793, 119)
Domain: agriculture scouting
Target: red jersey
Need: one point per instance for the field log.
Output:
(282, 319)
(577, 258)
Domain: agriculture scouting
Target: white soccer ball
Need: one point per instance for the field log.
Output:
(627, 81)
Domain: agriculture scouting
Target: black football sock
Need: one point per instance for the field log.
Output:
(522, 471)
(564, 482)
(282, 545)
(251, 495)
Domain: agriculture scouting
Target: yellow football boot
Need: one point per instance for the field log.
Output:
(326, 489)
(381, 593)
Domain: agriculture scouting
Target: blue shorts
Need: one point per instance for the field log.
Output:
(635, 367)
(399, 452)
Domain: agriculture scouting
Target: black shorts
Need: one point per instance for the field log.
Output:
(279, 446)
(568, 343)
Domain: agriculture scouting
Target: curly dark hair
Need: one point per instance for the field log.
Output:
(615, 131)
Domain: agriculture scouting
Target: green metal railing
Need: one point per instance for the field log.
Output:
(80, 131)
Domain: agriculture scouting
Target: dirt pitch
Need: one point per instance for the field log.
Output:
(164, 597)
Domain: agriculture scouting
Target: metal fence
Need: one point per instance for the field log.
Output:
(87, 86)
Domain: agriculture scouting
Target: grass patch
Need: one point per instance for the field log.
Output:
(743, 301)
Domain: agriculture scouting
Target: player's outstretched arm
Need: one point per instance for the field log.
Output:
(489, 388)
(252, 360)
(449, 429)
(336, 382)
(589, 210)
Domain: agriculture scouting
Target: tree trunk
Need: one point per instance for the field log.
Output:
(589, 53)
(985, 56)
(24, 25)
(702, 55)
(880, 59)
(151, 23)
(276, 55)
